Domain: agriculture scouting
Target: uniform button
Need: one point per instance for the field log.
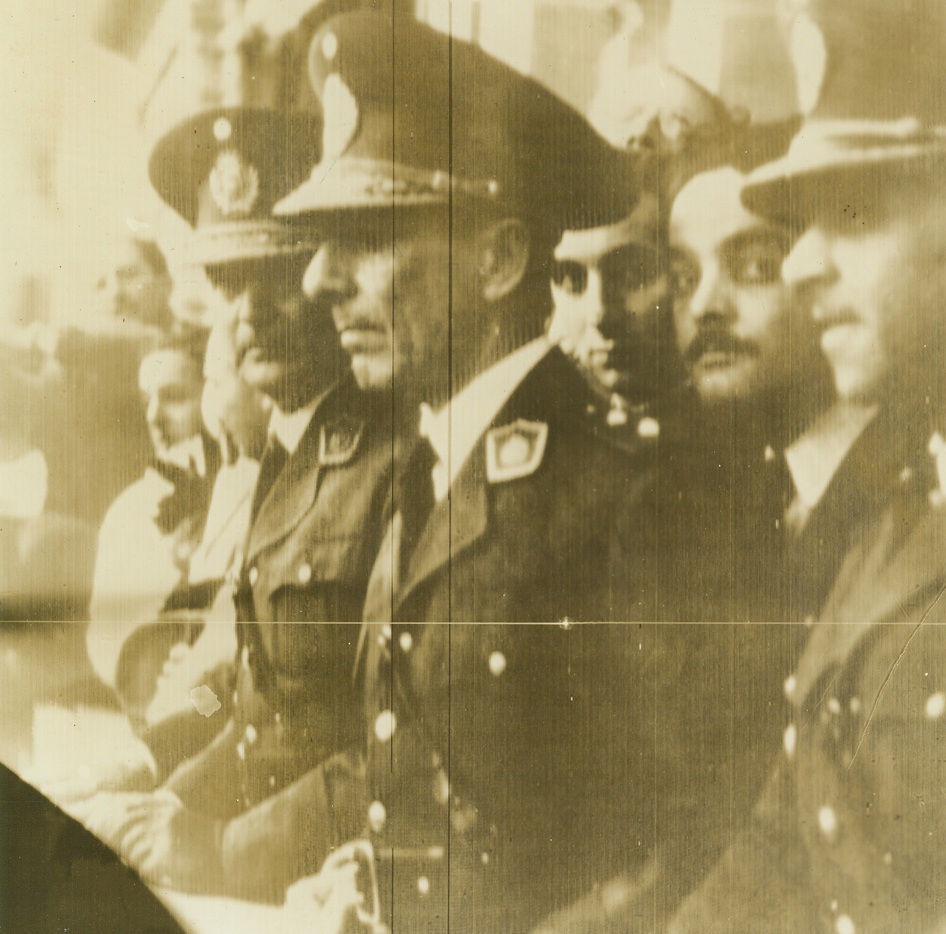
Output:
(277, 717)
(245, 659)
(648, 427)
(791, 683)
(377, 816)
(304, 573)
(844, 925)
(497, 663)
(386, 631)
(855, 705)
(828, 821)
(790, 739)
(484, 858)
(251, 735)
(441, 787)
(385, 725)
(254, 575)
(834, 706)
(236, 696)
(936, 705)
(423, 885)
(405, 641)
(272, 781)
(888, 859)
(241, 750)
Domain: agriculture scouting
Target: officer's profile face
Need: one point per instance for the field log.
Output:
(129, 287)
(873, 260)
(393, 281)
(171, 384)
(734, 326)
(281, 337)
(608, 286)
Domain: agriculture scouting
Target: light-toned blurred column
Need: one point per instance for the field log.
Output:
(736, 49)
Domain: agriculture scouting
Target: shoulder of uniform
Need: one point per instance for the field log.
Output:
(515, 450)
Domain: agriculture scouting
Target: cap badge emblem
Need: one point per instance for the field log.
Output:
(234, 184)
(810, 60)
(340, 111)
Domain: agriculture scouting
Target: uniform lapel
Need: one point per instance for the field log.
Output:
(454, 525)
(463, 518)
(291, 495)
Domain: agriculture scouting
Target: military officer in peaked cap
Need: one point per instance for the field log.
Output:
(493, 751)
(261, 805)
(847, 837)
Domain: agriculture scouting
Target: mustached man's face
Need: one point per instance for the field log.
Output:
(873, 262)
(736, 330)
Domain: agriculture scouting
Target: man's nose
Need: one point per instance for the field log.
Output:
(712, 297)
(809, 260)
(328, 274)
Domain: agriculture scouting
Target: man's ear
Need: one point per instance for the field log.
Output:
(502, 257)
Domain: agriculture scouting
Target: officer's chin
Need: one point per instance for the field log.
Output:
(373, 373)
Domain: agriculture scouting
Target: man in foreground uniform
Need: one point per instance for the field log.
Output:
(848, 835)
(260, 806)
(510, 767)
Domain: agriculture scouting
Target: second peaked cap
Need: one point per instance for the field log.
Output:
(222, 170)
(870, 76)
(414, 116)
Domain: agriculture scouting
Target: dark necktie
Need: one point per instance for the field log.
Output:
(271, 465)
(414, 496)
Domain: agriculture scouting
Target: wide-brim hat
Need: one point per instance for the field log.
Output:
(870, 76)
(223, 170)
(415, 117)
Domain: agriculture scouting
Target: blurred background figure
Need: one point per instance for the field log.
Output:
(151, 530)
(85, 376)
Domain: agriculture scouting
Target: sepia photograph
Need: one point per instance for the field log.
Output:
(473, 467)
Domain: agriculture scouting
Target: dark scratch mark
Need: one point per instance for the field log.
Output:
(887, 677)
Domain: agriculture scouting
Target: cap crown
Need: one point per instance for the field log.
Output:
(413, 116)
(870, 60)
(224, 169)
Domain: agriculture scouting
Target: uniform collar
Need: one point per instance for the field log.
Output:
(816, 455)
(454, 429)
(288, 428)
(188, 455)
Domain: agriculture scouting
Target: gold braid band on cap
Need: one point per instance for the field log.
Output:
(352, 182)
(220, 243)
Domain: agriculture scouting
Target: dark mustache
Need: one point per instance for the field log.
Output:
(715, 341)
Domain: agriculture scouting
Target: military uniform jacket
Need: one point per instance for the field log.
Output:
(308, 556)
(848, 836)
(495, 751)
(548, 519)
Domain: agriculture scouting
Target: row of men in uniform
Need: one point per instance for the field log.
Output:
(479, 776)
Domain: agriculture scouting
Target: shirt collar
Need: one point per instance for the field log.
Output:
(816, 455)
(288, 428)
(454, 429)
(188, 455)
